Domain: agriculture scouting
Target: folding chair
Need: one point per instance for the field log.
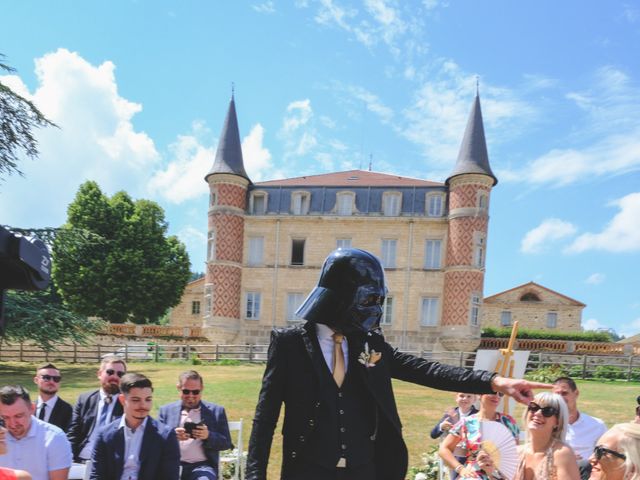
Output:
(236, 455)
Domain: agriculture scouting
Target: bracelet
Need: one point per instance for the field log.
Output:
(458, 468)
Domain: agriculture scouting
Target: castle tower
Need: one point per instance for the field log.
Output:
(228, 183)
(470, 186)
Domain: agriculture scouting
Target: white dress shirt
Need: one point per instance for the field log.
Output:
(325, 338)
(132, 444)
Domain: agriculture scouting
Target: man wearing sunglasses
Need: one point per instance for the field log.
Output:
(49, 406)
(95, 409)
(201, 428)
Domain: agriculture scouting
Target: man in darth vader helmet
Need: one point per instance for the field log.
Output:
(333, 373)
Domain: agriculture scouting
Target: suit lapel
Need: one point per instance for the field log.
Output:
(148, 444)
(310, 339)
(118, 443)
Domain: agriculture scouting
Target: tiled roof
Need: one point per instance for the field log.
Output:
(533, 284)
(350, 178)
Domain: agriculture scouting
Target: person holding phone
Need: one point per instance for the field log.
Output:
(201, 428)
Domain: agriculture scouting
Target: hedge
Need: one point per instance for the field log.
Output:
(588, 336)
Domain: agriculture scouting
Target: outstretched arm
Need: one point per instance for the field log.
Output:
(521, 390)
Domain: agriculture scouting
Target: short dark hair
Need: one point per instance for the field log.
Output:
(45, 366)
(569, 381)
(10, 393)
(134, 380)
(190, 375)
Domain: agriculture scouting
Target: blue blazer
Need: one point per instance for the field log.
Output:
(214, 417)
(159, 453)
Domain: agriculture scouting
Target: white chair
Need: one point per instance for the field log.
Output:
(236, 455)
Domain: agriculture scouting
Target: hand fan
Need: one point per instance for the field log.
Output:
(500, 444)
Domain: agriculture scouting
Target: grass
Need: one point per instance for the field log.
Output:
(236, 387)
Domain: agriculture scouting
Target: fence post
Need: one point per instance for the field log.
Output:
(461, 360)
(157, 352)
(126, 352)
(21, 359)
(584, 367)
(187, 352)
(630, 368)
(540, 363)
(75, 352)
(217, 352)
(251, 353)
(99, 352)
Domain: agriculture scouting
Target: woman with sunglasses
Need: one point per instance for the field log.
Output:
(465, 438)
(617, 454)
(545, 456)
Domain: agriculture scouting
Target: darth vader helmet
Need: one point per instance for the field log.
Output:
(350, 292)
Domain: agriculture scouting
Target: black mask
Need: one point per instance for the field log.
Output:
(350, 292)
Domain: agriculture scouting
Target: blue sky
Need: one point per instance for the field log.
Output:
(140, 90)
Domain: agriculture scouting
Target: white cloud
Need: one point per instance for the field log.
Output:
(595, 279)
(549, 231)
(298, 134)
(257, 158)
(264, 7)
(592, 324)
(96, 140)
(372, 102)
(298, 114)
(621, 234)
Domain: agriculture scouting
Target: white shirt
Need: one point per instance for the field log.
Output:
(583, 434)
(325, 338)
(43, 449)
(49, 408)
(86, 452)
(132, 444)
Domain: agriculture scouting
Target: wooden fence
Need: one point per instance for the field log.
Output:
(578, 365)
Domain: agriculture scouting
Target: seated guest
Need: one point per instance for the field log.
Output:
(616, 455)
(50, 407)
(135, 447)
(465, 438)
(33, 445)
(545, 455)
(97, 408)
(200, 445)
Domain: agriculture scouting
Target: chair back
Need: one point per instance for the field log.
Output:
(236, 455)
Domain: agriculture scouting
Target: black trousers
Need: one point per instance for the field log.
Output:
(305, 470)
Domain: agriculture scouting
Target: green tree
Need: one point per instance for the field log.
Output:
(18, 118)
(135, 273)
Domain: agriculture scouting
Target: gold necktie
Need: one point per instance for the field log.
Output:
(338, 359)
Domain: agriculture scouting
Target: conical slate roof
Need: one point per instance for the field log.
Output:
(229, 154)
(473, 156)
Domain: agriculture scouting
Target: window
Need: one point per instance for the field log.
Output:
(294, 300)
(391, 202)
(259, 203)
(505, 319)
(432, 256)
(478, 249)
(208, 300)
(300, 203)
(195, 307)
(389, 253)
(253, 306)
(387, 311)
(483, 200)
(429, 314)
(297, 251)
(530, 297)
(343, 243)
(434, 205)
(211, 246)
(552, 319)
(256, 249)
(344, 203)
(474, 314)
(213, 199)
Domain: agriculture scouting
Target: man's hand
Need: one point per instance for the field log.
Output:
(201, 432)
(181, 434)
(521, 390)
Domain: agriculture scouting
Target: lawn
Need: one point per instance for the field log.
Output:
(236, 387)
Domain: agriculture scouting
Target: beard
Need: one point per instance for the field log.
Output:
(111, 388)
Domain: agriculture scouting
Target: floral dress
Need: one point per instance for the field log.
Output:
(468, 429)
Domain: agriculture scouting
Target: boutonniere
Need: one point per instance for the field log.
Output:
(369, 358)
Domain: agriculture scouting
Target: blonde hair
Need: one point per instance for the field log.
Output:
(548, 399)
(630, 445)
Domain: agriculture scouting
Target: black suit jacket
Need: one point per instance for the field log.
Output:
(61, 415)
(84, 419)
(294, 376)
(159, 453)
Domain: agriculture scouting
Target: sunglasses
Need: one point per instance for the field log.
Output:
(111, 371)
(499, 394)
(49, 378)
(186, 391)
(546, 411)
(599, 451)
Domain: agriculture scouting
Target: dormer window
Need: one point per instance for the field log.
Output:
(435, 203)
(258, 203)
(300, 203)
(530, 297)
(391, 202)
(345, 203)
